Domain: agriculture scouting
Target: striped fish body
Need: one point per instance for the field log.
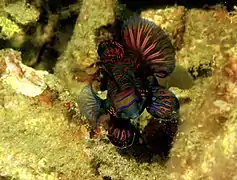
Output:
(126, 93)
(112, 55)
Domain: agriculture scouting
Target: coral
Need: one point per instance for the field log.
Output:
(208, 34)
(21, 78)
(8, 28)
(78, 60)
(20, 7)
(205, 139)
(35, 141)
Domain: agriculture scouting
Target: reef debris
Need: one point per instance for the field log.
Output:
(21, 78)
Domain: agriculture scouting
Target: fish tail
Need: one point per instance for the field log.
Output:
(91, 105)
(162, 103)
(151, 43)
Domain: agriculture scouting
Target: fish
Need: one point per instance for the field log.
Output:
(123, 89)
(114, 63)
(144, 51)
(155, 56)
(121, 132)
(110, 51)
(124, 105)
(128, 103)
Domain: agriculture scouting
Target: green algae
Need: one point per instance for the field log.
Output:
(16, 10)
(8, 28)
(80, 55)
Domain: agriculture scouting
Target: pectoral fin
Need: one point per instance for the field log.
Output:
(162, 103)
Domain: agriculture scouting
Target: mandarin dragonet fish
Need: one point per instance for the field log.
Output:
(133, 65)
(145, 50)
(123, 90)
(92, 106)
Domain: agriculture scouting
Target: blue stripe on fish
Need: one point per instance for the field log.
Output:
(163, 103)
(124, 97)
(128, 105)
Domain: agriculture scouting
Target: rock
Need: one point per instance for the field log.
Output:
(38, 142)
(80, 56)
(8, 28)
(208, 36)
(21, 78)
(15, 10)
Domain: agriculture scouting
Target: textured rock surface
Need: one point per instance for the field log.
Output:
(21, 78)
(44, 137)
(78, 60)
(15, 10)
(9, 28)
(209, 36)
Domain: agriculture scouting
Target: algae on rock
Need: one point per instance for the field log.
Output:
(208, 36)
(206, 137)
(13, 15)
(31, 14)
(8, 28)
(36, 139)
(38, 142)
(80, 56)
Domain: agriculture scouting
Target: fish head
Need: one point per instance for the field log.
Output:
(110, 51)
